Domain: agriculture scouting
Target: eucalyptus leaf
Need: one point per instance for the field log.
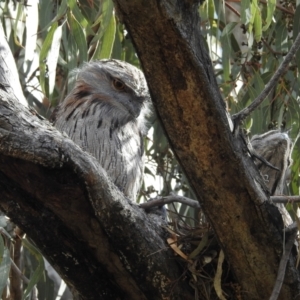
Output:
(79, 37)
(43, 54)
(38, 273)
(4, 269)
(104, 50)
(271, 6)
(245, 11)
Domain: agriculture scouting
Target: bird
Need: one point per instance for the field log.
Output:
(275, 147)
(105, 114)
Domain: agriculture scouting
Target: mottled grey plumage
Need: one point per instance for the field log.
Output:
(275, 147)
(105, 115)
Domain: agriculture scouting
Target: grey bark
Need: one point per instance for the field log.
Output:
(102, 244)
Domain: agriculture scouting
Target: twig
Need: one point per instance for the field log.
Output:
(275, 53)
(239, 117)
(291, 228)
(18, 272)
(285, 199)
(280, 7)
(159, 201)
(264, 161)
(232, 9)
(282, 266)
(24, 278)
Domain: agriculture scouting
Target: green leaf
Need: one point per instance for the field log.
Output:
(2, 248)
(43, 54)
(296, 23)
(18, 27)
(37, 274)
(227, 31)
(281, 41)
(117, 48)
(72, 61)
(296, 30)
(226, 51)
(3, 221)
(211, 11)
(77, 13)
(253, 11)
(245, 11)
(4, 269)
(106, 13)
(294, 185)
(271, 5)
(47, 18)
(79, 36)
(105, 50)
(257, 25)
(202, 244)
(104, 20)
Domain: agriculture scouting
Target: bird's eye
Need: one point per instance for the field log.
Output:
(118, 84)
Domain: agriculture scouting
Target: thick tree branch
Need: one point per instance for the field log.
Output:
(92, 231)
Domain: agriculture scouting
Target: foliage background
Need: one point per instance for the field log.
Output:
(247, 40)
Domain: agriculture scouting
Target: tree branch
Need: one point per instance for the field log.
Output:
(46, 179)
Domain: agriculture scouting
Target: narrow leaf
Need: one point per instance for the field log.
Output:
(18, 27)
(2, 248)
(172, 243)
(4, 269)
(45, 6)
(218, 277)
(253, 10)
(227, 31)
(37, 274)
(245, 11)
(104, 19)
(211, 11)
(200, 247)
(72, 60)
(77, 13)
(271, 5)
(44, 52)
(79, 36)
(107, 42)
(257, 25)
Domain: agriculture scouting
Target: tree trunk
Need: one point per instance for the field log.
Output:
(168, 40)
